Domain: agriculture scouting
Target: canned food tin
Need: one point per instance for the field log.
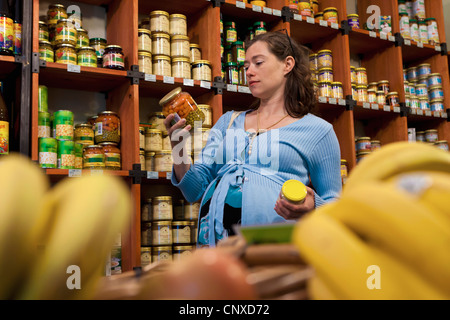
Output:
(437, 105)
(43, 98)
(363, 144)
(181, 232)
(146, 234)
(146, 256)
(162, 208)
(153, 140)
(161, 233)
(436, 92)
(161, 253)
(63, 124)
(181, 252)
(443, 144)
(44, 124)
(434, 79)
(93, 157)
(48, 149)
(431, 135)
(66, 154)
(201, 70)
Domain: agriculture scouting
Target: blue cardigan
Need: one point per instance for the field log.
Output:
(305, 149)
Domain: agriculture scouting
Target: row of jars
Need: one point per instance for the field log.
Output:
(364, 146)
(425, 31)
(429, 136)
(229, 33)
(164, 208)
(157, 233)
(154, 254)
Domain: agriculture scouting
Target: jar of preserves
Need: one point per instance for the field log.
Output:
(423, 70)
(181, 103)
(304, 8)
(434, 79)
(421, 90)
(353, 20)
(201, 70)
(375, 144)
(82, 38)
(113, 58)
(145, 61)
(160, 44)
(93, 157)
(181, 68)
(423, 31)
(242, 75)
(230, 32)
(293, 191)
(181, 232)
(315, 7)
(195, 52)
(437, 105)
(159, 22)
(66, 33)
(238, 52)
(371, 96)
(142, 159)
(177, 25)
(361, 76)
(150, 161)
(162, 65)
(43, 31)
(313, 62)
(383, 85)
(431, 135)
(325, 59)
(146, 234)
(167, 144)
(372, 86)
(99, 45)
(107, 127)
(231, 73)
(433, 33)
(162, 208)
(161, 253)
(181, 252)
(337, 90)
(330, 15)
(153, 140)
(163, 161)
(84, 134)
(436, 92)
(207, 111)
(65, 53)
(353, 74)
(259, 27)
(363, 144)
(424, 104)
(55, 13)
(144, 40)
(324, 89)
(46, 51)
(156, 120)
(361, 155)
(414, 30)
(381, 98)
(179, 47)
(112, 155)
(326, 74)
(87, 57)
(362, 93)
(162, 233)
(392, 99)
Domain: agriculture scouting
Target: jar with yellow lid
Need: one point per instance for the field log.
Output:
(177, 25)
(337, 91)
(304, 8)
(159, 21)
(141, 137)
(156, 120)
(66, 54)
(145, 23)
(107, 127)
(432, 29)
(293, 191)
(144, 40)
(392, 99)
(66, 33)
(313, 62)
(150, 161)
(112, 155)
(99, 45)
(191, 210)
(161, 44)
(93, 157)
(181, 232)
(181, 68)
(153, 140)
(353, 74)
(372, 86)
(324, 88)
(163, 161)
(46, 51)
(84, 134)
(162, 208)
(363, 144)
(87, 57)
(43, 31)
(353, 20)
(361, 76)
(179, 46)
(437, 105)
(371, 96)
(202, 70)
(330, 15)
(424, 103)
(161, 253)
(145, 62)
(82, 38)
(161, 65)
(207, 111)
(181, 103)
(383, 85)
(381, 97)
(375, 144)
(361, 155)
(162, 233)
(325, 59)
(258, 3)
(181, 252)
(195, 52)
(326, 74)
(55, 13)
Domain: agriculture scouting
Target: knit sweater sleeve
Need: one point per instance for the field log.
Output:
(324, 167)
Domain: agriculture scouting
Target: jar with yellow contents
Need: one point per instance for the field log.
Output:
(145, 62)
(55, 13)
(46, 51)
(66, 33)
(112, 155)
(66, 54)
(82, 38)
(84, 134)
(87, 57)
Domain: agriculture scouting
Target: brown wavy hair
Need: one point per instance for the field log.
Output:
(299, 98)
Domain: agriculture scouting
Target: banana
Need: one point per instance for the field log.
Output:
(319, 290)
(395, 158)
(23, 185)
(87, 214)
(401, 226)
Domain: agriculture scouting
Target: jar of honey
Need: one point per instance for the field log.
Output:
(183, 105)
(163, 161)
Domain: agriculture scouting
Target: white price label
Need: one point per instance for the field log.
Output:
(334, 25)
(436, 114)
(297, 17)
(366, 105)
(188, 82)
(407, 42)
(392, 38)
(152, 175)
(74, 173)
(387, 108)
(420, 112)
(444, 115)
(169, 80)
(332, 101)
(310, 20)
(243, 89)
(73, 68)
(342, 102)
(267, 10)
(372, 34)
(323, 23)
(397, 109)
(150, 77)
(232, 87)
(96, 172)
(256, 8)
(420, 44)
(428, 113)
(168, 175)
(276, 12)
(383, 36)
(240, 4)
(322, 99)
(438, 48)
(413, 111)
(375, 107)
(205, 84)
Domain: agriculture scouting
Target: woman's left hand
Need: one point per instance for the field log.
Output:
(291, 211)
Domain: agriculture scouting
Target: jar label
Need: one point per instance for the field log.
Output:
(181, 235)
(98, 128)
(46, 55)
(66, 34)
(231, 36)
(162, 211)
(162, 256)
(113, 60)
(65, 56)
(6, 33)
(96, 160)
(43, 35)
(87, 60)
(66, 161)
(4, 137)
(64, 131)
(112, 159)
(234, 77)
(163, 235)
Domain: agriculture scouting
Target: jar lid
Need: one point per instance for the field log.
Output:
(66, 45)
(437, 86)
(194, 45)
(160, 35)
(145, 249)
(177, 15)
(359, 153)
(360, 69)
(324, 81)
(361, 86)
(45, 42)
(201, 62)
(107, 112)
(343, 161)
(161, 57)
(424, 64)
(159, 12)
(325, 69)
(162, 198)
(97, 39)
(375, 141)
(181, 59)
(82, 30)
(64, 20)
(144, 31)
(231, 63)
(412, 20)
(172, 94)
(86, 48)
(180, 223)
(434, 74)
(230, 23)
(431, 130)
(183, 247)
(113, 46)
(56, 5)
(393, 93)
(336, 83)
(380, 92)
(294, 190)
(324, 51)
(383, 82)
(421, 85)
(114, 144)
(411, 68)
(42, 22)
(205, 106)
(371, 90)
(437, 100)
(158, 114)
(163, 152)
(161, 248)
(352, 15)
(144, 53)
(180, 37)
(313, 55)
(259, 24)
(149, 153)
(93, 146)
(149, 130)
(329, 9)
(429, 19)
(83, 125)
(362, 138)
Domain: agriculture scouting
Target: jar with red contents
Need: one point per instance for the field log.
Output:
(113, 58)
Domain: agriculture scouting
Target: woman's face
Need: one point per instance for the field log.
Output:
(265, 73)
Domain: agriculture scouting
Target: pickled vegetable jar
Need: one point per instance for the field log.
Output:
(107, 127)
(93, 157)
(112, 155)
(183, 105)
(65, 53)
(82, 38)
(87, 57)
(66, 32)
(84, 134)
(113, 58)
(56, 12)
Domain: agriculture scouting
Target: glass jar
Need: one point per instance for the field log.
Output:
(421, 91)
(371, 96)
(145, 62)
(433, 33)
(228, 54)
(160, 44)
(337, 90)
(181, 68)
(442, 144)
(381, 98)
(93, 157)
(315, 7)
(161, 253)
(150, 161)
(181, 232)
(353, 20)
(326, 74)
(183, 105)
(414, 30)
(437, 105)
(142, 159)
(113, 58)
(238, 52)
(167, 144)
(259, 27)
(325, 59)
(304, 8)
(146, 234)
(392, 99)
(162, 208)
(177, 25)
(330, 15)
(363, 144)
(418, 9)
(82, 38)
(78, 155)
(436, 92)
(191, 210)
(231, 73)
(161, 65)
(207, 111)
(423, 31)
(162, 233)
(242, 75)
(230, 32)
(66, 33)
(145, 23)
(159, 22)
(84, 134)
(372, 86)
(107, 127)
(414, 102)
(99, 45)
(361, 76)
(344, 171)
(163, 161)
(293, 191)
(201, 70)
(144, 40)
(313, 62)
(153, 140)
(141, 137)
(324, 89)
(411, 74)
(405, 30)
(424, 104)
(434, 79)
(65, 53)
(179, 47)
(46, 51)
(195, 52)
(181, 252)
(156, 120)
(375, 144)
(353, 74)
(55, 13)
(112, 155)
(423, 69)
(43, 31)
(383, 85)
(431, 135)
(87, 57)
(362, 93)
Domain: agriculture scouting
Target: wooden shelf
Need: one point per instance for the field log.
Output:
(7, 66)
(411, 53)
(67, 172)
(160, 87)
(308, 33)
(364, 41)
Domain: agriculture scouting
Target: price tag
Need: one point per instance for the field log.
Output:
(96, 172)
(243, 89)
(372, 34)
(397, 109)
(73, 68)
(240, 4)
(438, 48)
(256, 8)
(420, 44)
(188, 82)
(267, 10)
(420, 112)
(322, 99)
(437, 114)
(276, 12)
(297, 17)
(150, 77)
(310, 20)
(323, 23)
(232, 87)
(383, 36)
(366, 105)
(428, 113)
(413, 111)
(387, 108)
(205, 84)
(74, 173)
(334, 25)
(332, 101)
(152, 175)
(444, 115)
(342, 102)
(391, 38)
(375, 107)
(168, 175)
(407, 42)
(169, 80)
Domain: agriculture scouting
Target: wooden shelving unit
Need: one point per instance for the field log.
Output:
(384, 59)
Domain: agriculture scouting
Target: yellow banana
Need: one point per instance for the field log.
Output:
(319, 290)
(89, 212)
(395, 158)
(23, 185)
(401, 226)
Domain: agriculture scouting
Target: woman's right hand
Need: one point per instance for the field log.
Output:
(179, 132)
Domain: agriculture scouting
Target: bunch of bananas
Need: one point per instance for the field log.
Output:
(44, 231)
(388, 236)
